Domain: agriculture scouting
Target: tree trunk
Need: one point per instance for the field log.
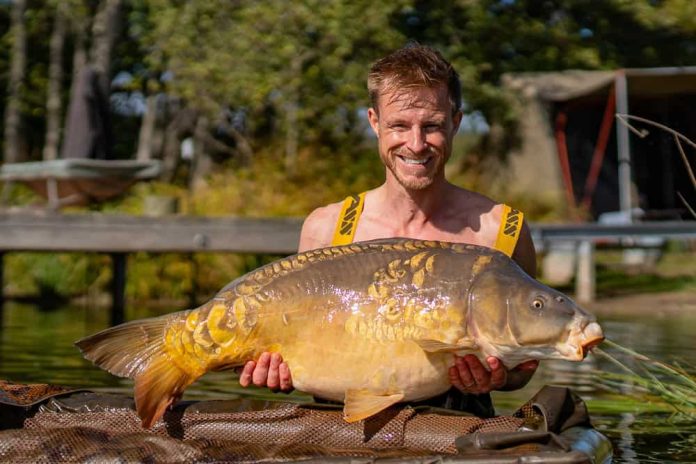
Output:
(79, 27)
(147, 129)
(104, 32)
(18, 62)
(243, 149)
(182, 126)
(201, 164)
(292, 134)
(55, 79)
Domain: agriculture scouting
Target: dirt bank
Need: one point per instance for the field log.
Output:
(661, 303)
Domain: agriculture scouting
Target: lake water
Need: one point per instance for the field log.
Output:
(36, 346)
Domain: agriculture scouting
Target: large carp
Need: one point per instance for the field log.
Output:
(369, 324)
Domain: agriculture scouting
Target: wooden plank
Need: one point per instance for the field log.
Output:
(45, 231)
(119, 233)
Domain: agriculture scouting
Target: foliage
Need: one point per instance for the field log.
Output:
(264, 60)
(260, 58)
(266, 189)
(56, 274)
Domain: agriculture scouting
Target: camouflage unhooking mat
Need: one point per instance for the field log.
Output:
(42, 423)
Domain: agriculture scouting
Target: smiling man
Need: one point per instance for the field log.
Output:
(416, 99)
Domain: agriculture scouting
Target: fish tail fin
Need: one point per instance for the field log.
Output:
(137, 350)
(159, 386)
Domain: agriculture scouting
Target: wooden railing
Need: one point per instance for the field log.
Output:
(118, 235)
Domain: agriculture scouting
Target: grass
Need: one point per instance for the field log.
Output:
(656, 386)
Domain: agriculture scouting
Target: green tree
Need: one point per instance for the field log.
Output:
(301, 63)
(18, 60)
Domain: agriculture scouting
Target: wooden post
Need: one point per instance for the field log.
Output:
(585, 276)
(2, 283)
(623, 147)
(118, 288)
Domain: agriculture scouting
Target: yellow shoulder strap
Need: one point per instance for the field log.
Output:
(348, 219)
(509, 232)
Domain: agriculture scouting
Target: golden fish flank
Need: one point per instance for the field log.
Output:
(371, 324)
(399, 316)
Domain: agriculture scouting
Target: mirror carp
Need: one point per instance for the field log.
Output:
(369, 324)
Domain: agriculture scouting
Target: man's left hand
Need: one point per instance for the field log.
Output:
(469, 375)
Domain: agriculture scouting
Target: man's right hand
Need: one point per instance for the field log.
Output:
(269, 371)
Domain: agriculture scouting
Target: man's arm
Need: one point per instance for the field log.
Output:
(318, 227)
(525, 254)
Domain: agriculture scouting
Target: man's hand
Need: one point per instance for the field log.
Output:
(469, 375)
(269, 371)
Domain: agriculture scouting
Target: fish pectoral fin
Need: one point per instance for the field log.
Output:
(362, 403)
(436, 346)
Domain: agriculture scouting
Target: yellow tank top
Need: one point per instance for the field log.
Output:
(348, 219)
(347, 224)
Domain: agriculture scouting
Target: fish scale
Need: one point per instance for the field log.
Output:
(369, 324)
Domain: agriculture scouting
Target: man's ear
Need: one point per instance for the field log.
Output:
(456, 121)
(373, 119)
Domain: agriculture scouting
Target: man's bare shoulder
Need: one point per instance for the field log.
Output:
(318, 227)
(465, 202)
(471, 197)
(490, 214)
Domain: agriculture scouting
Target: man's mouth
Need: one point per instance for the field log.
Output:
(412, 161)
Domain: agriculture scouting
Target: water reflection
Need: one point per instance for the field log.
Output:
(37, 346)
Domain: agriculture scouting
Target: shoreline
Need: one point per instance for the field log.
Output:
(653, 304)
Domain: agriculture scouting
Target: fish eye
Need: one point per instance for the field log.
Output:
(538, 303)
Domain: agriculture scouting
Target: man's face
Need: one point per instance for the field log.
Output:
(415, 128)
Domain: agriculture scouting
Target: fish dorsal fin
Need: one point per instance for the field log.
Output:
(436, 346)
(363, 403)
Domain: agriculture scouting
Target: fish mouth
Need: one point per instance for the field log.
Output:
(586, 346)
(592, 336)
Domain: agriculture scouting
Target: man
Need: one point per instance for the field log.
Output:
(416, 99)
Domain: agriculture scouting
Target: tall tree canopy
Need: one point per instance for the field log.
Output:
(294, 72)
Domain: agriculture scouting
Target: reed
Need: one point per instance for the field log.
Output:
(650, 380)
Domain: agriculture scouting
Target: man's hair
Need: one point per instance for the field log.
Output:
(411, 67)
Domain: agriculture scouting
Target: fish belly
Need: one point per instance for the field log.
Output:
(329, 363)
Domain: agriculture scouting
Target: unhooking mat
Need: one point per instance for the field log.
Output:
(55, 424)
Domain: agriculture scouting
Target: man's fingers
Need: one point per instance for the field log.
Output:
(479, 373)
(455, 379)
(461, 376)
(260, 376)
(273, 381)
(285, 377)
(245, 375)
(498, 373)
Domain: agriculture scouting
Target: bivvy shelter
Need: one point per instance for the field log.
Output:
(574, 150)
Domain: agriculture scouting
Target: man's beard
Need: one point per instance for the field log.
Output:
(411, 182)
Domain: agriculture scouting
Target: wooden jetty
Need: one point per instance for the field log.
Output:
(118, 235)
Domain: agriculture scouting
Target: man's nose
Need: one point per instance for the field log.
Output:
(416, 139)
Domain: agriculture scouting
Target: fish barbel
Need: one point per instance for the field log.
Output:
(369, 324)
